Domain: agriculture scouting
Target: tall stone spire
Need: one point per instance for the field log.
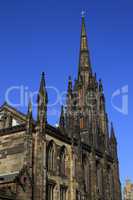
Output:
(42, 103)
(84, 59)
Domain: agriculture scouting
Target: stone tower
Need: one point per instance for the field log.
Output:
(86, 121)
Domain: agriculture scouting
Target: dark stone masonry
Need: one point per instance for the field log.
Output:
(75, 161)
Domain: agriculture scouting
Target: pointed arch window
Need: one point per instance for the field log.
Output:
(50, 157)
(63, 161)
(50, 190)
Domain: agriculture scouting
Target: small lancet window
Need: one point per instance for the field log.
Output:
(50, 158)
(63, 162)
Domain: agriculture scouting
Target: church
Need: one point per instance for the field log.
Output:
(75, 161)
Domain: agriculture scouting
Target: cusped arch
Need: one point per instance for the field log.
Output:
(51, 149)
(63, 156)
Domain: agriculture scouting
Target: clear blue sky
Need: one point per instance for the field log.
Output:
(43, 35)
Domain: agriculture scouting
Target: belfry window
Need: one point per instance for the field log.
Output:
(50, 158)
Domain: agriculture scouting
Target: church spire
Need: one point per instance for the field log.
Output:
(42, 103)
(84, 44)
(42, 90)
(84, 60)
(29, 114)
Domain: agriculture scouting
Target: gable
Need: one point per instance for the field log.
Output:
(10, 117)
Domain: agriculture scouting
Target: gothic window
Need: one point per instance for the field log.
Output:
(50, 191)
(50, 157)
(63, 193)
(63, 161)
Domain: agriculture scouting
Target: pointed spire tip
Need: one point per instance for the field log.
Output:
(112, 126)
(70, 78)
(43, 76)
(83, 12)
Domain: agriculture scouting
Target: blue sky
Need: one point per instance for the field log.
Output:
(44, 35)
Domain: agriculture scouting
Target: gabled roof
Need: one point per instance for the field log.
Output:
(14, 112)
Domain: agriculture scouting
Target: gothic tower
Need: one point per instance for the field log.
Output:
(86, 122)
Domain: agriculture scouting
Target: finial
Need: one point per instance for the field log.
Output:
(42, 84)
(100, 81)
(83, 12)
(100, 85)
(29, 114)
(69, 84)
(30, 106)
(70, 78)
(43, 77)
(43, 74)
(42, 91)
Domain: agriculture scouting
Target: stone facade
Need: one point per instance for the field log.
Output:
(76, 161)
